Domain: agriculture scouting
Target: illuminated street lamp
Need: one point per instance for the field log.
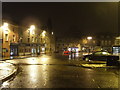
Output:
(43, 33)
(32, 28)
(5, 27)
(89, 38)
(89, 43)
(31, 32)
(52, 33)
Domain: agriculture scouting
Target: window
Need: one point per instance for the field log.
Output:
(102, 36)
(13, 29)
(109, 42)
(108, 36)
(105, 42)
(28, 40)
(33, 32)
(6, 37)
(13, 38)
(36, 39)
(32, 39)
(102, 42)
(20, 40)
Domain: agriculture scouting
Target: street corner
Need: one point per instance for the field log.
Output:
(96, 66)
(7, 71)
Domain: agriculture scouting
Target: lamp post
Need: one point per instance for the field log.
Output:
(31, 32)
(89, 38)
(43, 41)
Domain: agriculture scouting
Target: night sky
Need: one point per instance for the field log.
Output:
(67, 18)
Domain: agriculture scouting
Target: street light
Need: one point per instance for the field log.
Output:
(32, 28)
(43, 33)
(5, 27)
(89, 38)
(89, 43)
(31, 32)
(52, 33)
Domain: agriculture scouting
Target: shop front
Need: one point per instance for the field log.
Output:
(13, 49)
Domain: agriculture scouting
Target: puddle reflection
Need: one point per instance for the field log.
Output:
(38, 74)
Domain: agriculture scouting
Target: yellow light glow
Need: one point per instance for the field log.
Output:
(118, 37)
(32, 60)
(89, 38)
(5, 27)
(44, 59)
(43, 33)
(32, 27)
(52, 33)
(6, 24)
(43, 49)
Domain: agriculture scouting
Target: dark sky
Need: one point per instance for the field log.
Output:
(68, 18)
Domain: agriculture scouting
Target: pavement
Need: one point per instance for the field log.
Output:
(7, 70)
(15, 57)
(97, 66)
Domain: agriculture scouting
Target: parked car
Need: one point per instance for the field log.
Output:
(100, 56)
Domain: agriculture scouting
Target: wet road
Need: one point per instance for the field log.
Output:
(60, 71)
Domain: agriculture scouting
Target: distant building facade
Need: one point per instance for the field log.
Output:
(71, 44)
(106, 41)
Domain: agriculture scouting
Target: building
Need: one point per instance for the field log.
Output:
(9, 39)
(88, 43)
(29, 41)
(116, 46)
(26, 40)
(106, 41)
(117, 40)
(70, 44)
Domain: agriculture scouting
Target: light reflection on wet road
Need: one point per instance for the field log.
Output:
(56, 72)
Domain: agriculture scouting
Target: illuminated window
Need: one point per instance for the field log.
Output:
(36, 39)
(33, 32)
(32, 39)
